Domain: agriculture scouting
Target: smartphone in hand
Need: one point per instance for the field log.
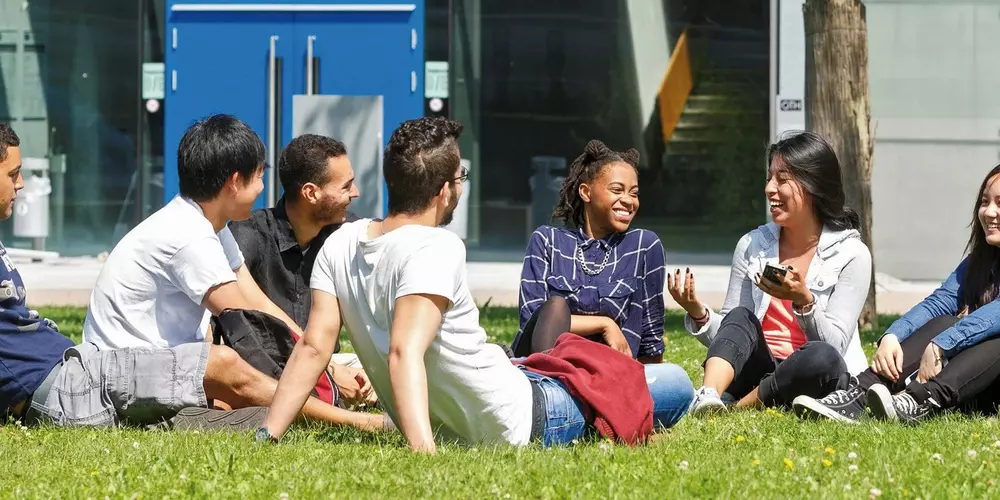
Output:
(775, 272)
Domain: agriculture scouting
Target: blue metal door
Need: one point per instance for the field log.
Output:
(355, 54)
(250, 59)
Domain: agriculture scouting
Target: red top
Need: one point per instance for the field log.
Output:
(781, 331)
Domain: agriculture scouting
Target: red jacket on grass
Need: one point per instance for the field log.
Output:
(611, 385)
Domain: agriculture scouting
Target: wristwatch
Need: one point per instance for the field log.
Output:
(263, 435)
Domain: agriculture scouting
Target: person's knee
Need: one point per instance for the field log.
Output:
(557, 305)
(223, 357)
(940, 323)
(226, 367)
(740, 317)
(822, 358)
(670, 377)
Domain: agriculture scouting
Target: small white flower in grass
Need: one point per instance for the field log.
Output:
(847, 487)
(283, 496)
(874, 493)
(852, 456)
(107, 451)
(683, 465)
(997, 443)
(937, 458)
(184, 477)
(852, 468)
(604, 446)
(971, 453)
(135, 444)
(506, 495)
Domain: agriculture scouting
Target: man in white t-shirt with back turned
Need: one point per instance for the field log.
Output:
(406, 275)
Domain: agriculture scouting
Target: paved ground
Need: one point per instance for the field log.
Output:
(68, 281)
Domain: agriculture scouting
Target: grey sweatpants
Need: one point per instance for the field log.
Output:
(136, 386)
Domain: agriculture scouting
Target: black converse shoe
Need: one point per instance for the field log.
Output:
(901, 407)
(845, 405)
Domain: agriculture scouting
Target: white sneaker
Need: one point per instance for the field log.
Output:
(706, 401)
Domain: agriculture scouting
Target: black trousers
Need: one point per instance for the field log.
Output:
(816, 369)
(969, 382)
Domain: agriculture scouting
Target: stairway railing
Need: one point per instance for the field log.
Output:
(676, 87)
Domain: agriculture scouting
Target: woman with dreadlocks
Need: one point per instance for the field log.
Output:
(597, 278)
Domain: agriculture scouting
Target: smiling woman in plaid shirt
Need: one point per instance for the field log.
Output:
(598, 277)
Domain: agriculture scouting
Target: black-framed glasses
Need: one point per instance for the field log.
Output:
(463, 176)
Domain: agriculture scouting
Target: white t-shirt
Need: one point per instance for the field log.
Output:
(475, 394)
(151, 288)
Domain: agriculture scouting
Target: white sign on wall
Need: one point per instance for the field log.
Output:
(790, 101)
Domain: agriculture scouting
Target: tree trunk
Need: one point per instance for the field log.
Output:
(837, 105)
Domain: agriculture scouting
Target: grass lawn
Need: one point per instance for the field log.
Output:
(738, 455)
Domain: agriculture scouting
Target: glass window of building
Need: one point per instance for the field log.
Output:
(534, 81)
(70, 84)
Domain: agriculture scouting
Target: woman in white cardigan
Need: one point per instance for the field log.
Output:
(779, 336)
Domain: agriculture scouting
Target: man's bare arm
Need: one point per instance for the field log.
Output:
(308, 360)
(416, 321)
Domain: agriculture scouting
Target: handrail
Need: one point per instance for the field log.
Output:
(676, 87)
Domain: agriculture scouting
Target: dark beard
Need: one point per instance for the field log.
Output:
(328, 213)
(450, 214)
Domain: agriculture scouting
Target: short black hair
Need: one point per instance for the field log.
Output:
(304, 160)
(212, 150)
(422, 156)
(8, 139)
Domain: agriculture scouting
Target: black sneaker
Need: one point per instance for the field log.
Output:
(845, 405)
(210, 419)
(901, 407)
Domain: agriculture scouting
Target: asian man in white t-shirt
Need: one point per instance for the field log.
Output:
(164, 279)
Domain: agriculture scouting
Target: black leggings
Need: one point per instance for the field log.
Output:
(970, 381)
(816, 369)
(546, 324)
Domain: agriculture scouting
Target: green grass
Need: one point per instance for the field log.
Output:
(742, 454)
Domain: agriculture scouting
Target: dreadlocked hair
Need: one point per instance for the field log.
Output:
(584, 169)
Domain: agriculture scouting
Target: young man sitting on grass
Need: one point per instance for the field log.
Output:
(166, 276)
(399, 285)
(280, 244)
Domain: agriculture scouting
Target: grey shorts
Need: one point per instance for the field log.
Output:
(133, 386)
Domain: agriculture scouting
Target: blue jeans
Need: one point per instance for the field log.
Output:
(669, 385)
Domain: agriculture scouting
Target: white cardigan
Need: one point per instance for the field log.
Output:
(839, 277)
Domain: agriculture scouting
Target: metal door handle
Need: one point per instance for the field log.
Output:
(312, 67)
(273, 117)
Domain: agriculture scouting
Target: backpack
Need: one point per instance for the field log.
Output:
(265, 342)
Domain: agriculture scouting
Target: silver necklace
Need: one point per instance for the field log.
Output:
(586, 267)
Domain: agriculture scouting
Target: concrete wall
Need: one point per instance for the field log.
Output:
(936, 112)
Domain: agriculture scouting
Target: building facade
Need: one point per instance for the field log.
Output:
(698, 87)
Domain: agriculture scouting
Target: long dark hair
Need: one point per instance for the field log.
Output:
(813, 163)
(980, 284)
(584, 169)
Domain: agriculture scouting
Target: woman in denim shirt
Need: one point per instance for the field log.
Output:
(600, 278)
(943, 353)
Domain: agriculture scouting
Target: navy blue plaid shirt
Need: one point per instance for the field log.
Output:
(629, 289)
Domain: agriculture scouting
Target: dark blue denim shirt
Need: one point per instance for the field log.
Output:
(629, 289)
(979, 325)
